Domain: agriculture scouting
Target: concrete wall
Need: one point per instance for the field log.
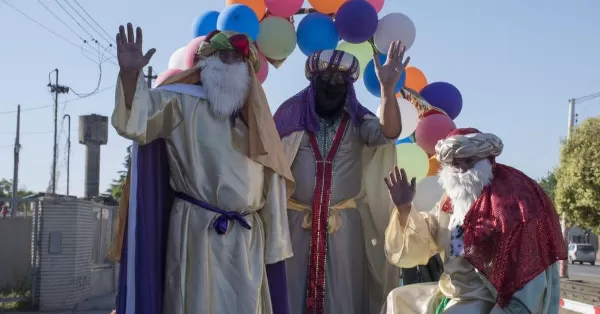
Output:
(15, 245)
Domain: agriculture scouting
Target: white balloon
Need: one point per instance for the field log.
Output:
(410, 117)
(394, 26)
(429, 192)
(176, 60)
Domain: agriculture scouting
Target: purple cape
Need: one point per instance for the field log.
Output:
(298, 113)
(154, 201)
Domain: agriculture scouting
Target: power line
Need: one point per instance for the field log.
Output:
(108, 39)
(86, 13)
(63, 22)
(43, 26)
(62, 102)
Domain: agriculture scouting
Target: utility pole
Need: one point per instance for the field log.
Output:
(564, 265)
(56, 89)
(150, 77)
(15, 184)
(68, 149)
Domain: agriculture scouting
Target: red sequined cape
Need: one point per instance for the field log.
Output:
(525, 237)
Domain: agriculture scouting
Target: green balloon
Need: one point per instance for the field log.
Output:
(413, 159)
(363, 52)
(276, 38)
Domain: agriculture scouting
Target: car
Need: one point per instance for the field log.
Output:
(582, 253)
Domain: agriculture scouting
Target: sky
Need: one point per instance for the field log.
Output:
(515, 62)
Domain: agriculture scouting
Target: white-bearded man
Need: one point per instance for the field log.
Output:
(206, 228)
(495, 228)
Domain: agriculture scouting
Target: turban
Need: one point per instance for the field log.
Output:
(466, 143)
(228, 41)
(335, 60)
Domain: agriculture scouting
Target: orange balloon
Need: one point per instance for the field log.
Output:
(434, 166)
(415, 79)
(326, 6)
(258, 6)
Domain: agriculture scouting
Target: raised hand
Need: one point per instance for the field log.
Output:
(401, 190)
(129, 50)
(389, 73)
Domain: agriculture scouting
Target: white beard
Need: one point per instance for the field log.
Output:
(464, 188)
(226, 85)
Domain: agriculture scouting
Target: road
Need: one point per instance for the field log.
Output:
(585, 272)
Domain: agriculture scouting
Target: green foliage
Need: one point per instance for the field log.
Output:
(6, 189)
(578, 176)
(548, 183)
(116, 187)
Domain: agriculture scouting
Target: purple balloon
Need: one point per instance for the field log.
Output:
(444, 96)
(356, 21)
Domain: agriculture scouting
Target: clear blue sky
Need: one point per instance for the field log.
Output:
(516, 63)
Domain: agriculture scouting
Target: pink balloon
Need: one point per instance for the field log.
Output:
(165, 75)
(190, 51)
(263, 70)
(377, 4)
(285, 8)
(432, 129)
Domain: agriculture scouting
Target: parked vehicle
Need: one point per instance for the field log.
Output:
(582, 253)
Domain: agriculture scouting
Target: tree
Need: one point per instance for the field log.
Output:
(548, 183)
(6, 189)
(116, 187)
(578, 176)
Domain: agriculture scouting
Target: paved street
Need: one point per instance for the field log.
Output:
(584, 272)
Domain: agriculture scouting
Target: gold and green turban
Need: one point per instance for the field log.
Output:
(228, 41)
(335, 60)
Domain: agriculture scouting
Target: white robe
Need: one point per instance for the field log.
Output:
(207, 272)
(428, 233)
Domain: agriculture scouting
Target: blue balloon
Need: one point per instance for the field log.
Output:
(205, 23)
(407, 139)
(316, 31)
(239, 18)
(372, 82)
(444, 96)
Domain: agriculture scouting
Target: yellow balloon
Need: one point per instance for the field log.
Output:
(363, 52)
(413, 159)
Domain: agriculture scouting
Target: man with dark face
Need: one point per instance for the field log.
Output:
(338, 151)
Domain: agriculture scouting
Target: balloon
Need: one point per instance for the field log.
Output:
(205, 23)
(415, 79)
(429, 192)
(176, 60)
(377, 4)
(189, 53)
(410, 117)
(444, 96)
(394, 26)
(166, 74)
(284, 8)
(326, 6)
(316, 31)
(356, 21)
(239, 18)
(404, 140)
(263, 70)
(258, 6)
(363, 52)
(413, 159)
(432, 129)
(434, 166)
(277, 38)
(372, 82)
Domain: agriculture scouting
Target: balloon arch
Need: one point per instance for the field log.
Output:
(428, 109)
